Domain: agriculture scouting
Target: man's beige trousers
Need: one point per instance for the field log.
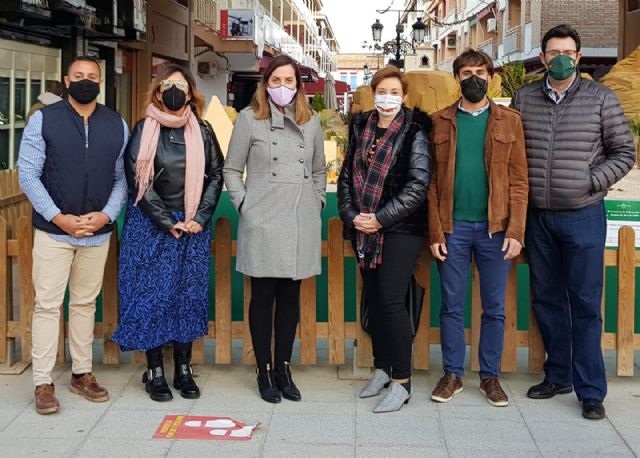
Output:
(54, 265)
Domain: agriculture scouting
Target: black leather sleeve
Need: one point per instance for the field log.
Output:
(213, 179)
(414, 192)
(151, 203)
(346, 206)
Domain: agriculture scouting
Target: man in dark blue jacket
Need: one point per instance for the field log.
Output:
(72, 171)
(578, 145)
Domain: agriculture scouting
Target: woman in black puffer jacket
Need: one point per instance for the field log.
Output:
(382, 198)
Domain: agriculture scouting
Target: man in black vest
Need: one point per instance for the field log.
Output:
(72, 171)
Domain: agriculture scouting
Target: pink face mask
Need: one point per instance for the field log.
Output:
(281, 95)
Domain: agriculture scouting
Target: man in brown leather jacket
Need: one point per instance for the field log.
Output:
(477, 205)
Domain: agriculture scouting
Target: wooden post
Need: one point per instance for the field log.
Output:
(111, 352)
(476, 315)
(365, 346)
(5, 304)
(248, 355)
(336, 292)
(24, 233)
(422, 341)
(223, 291)
(510, 350)
(308, 340)
(626, 300)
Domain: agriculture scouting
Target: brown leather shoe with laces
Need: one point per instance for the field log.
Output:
(88, 387)
(46, 401)
(491, 388)
(448, 386)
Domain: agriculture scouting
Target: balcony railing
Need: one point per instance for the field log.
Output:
(512, 41)
(206, 12)
(489, 47)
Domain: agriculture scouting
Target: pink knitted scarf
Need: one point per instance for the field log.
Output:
(195, 160)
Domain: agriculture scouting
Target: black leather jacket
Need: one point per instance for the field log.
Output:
(403, 206)
(167, 193)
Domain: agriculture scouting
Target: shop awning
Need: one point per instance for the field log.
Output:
(317, 87)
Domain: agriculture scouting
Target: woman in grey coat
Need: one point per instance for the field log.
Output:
(279, 141)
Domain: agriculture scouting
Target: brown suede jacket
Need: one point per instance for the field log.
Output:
(506, 166)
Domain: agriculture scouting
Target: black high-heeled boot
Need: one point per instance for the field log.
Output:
(285, 383)
(266, 384)
(153, 379)
(183, 374)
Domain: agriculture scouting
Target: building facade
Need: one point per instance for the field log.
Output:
(629, 37)
(511, 30)
(234, 41)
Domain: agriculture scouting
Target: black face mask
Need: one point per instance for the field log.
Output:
(473, 88)
(174, 98)
(84, 91)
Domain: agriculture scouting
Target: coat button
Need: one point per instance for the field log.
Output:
(275, 143)
(272, 129)
(301, 161)
(301, 145)
(274, 174)
(275, 158)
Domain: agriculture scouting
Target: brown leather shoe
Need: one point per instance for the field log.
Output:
(46, 401)
(448, 386)
(491, 388)
(88, 387)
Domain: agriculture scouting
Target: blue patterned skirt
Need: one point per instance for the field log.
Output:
(163, 284)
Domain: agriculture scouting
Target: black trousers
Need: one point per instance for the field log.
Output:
(386, 289)
(262, 320)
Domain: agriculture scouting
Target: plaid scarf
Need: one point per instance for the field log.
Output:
(368, 182)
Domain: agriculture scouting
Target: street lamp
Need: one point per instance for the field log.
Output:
(398, 46)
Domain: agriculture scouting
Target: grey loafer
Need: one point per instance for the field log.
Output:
(379, 380)
(393, 401)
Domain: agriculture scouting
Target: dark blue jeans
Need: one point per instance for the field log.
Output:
(565, 250)
(473, 238)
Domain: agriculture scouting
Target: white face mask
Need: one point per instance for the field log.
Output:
(391, 104)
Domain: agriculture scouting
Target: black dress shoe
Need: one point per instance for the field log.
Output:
(546, 390)
(285, 384)
(592, 409)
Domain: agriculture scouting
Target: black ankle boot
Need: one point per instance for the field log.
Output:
(285, 383)
(266, 384)
(153, 379)
(183, 374)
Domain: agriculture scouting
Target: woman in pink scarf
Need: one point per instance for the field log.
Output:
(174, 171)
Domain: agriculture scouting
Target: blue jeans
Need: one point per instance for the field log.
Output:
(473, 238)
(565, 250)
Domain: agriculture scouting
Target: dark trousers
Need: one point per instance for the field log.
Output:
(565, 250)
(386, 289)
(286, 294)
(472, 238)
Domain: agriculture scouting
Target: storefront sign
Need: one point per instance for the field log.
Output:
(237, 24)
(132, 15)
(485, 12)
(622, 213)
(38, 8)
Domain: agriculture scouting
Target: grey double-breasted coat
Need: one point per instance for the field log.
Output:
(282, 195)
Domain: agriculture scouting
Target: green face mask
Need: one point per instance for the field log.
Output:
(561, 67)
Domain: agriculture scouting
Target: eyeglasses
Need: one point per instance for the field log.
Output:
(555, 53)
(180, 84)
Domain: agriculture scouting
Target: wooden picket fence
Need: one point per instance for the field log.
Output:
(13, 202)
(336, 330)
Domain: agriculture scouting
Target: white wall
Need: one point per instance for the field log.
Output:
(216, 83)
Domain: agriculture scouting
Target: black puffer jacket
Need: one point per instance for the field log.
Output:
(403, 207)
(576, 149)
(167, 193)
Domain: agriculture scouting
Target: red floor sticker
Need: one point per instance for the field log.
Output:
(204, 428)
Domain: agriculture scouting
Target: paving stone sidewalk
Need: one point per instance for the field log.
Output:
(330, 421)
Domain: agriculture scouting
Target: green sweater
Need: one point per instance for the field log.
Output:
(470, 187)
